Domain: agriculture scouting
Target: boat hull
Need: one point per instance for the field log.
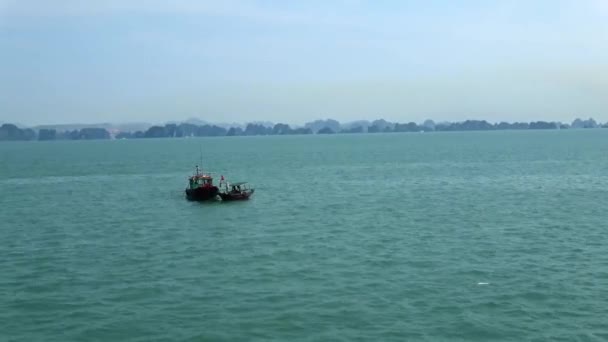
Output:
(202, 194)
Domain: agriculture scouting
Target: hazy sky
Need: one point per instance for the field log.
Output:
(291, 61)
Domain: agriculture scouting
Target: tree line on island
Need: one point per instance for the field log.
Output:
(330, 126)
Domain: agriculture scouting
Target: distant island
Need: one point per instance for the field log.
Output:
(11, 132)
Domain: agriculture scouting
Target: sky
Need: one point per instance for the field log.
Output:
(69, 61)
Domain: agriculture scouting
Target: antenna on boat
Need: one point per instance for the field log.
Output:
(201, 156)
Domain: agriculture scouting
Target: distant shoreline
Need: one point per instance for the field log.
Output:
(10, 132)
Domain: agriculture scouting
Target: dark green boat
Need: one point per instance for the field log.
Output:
(201, 188)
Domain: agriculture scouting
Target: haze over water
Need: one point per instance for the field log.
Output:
(471, 236)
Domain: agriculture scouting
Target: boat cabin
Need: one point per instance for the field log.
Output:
(200, 180)
(239, 187)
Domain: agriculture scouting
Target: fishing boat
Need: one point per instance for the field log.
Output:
(235, 191)
(200, 187)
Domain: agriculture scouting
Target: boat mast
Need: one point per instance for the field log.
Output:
(201, 156)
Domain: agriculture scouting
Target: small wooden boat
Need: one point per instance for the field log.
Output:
(235, 191)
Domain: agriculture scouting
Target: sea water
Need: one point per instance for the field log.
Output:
(471, 236)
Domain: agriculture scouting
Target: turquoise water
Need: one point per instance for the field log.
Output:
(448, 236)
